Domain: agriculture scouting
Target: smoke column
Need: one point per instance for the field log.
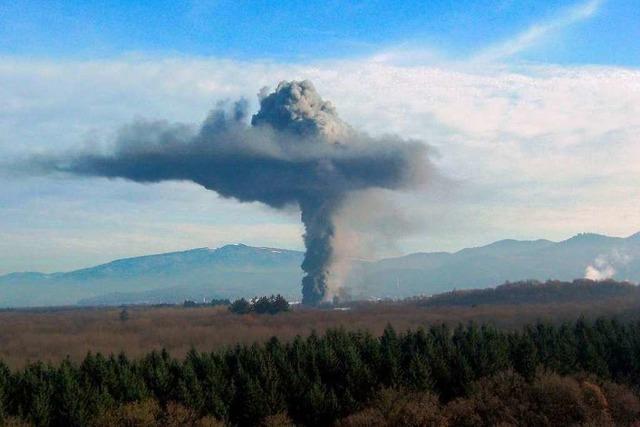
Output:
(296, 151)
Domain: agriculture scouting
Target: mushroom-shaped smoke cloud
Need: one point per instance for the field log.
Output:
(296, 151)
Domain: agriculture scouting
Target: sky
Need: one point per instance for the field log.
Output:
(531, 111)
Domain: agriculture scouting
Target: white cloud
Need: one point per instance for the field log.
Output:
(542, 151)
(538, 32)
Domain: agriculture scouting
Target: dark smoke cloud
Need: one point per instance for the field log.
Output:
(296, 151)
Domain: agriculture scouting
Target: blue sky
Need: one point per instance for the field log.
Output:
(303, 30)
(531, 110)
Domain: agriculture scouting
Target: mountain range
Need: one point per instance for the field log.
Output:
(238, 270)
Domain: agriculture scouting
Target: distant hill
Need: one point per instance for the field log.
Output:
(502, 261)
(233, 271)
(230, 272)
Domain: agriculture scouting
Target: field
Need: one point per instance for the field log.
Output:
(52, 335)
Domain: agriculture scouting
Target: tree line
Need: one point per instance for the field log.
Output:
(331, 378)
(263, 305)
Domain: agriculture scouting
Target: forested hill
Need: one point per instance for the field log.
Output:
(534, 292)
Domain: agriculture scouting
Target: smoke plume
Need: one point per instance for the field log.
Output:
(295, 151)
(605, 265)
(600, 269)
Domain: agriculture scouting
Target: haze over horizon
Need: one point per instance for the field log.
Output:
(532, 112)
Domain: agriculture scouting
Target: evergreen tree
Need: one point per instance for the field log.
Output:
(524, 355)
(68, 400)
(390, 357)
(241, 306)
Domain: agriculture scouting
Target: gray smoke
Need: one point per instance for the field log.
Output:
(296, 151)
